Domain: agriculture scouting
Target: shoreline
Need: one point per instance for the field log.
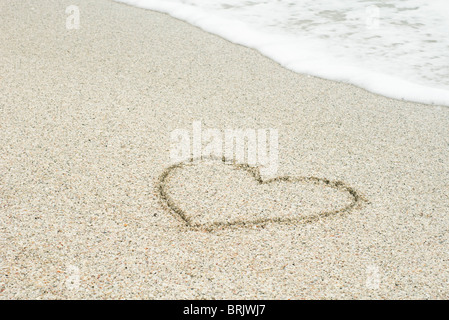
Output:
(372, 81)
(86, 118)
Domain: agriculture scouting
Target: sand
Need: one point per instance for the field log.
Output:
(85, 124)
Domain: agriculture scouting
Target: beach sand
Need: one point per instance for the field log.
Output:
(85, 123)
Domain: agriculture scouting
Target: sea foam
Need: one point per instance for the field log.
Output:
(396, 48)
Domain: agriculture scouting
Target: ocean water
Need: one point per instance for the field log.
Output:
(396, 48)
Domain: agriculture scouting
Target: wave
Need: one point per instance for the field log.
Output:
(399, 49)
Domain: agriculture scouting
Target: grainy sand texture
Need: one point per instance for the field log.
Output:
(85, 121)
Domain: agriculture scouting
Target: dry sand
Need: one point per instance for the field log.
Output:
(85, 124)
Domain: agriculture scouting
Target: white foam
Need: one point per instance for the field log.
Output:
(395, 48)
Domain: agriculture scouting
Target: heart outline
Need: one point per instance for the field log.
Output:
(173, 207)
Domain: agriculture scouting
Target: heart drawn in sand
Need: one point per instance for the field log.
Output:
(210, 194)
